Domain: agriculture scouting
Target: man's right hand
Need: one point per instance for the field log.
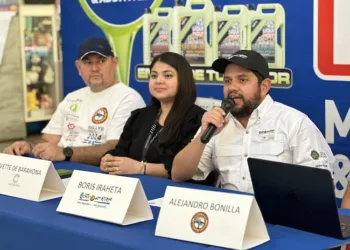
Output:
(18, 148)
(215, 117)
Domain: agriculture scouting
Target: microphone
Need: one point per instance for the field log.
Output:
(226, 105)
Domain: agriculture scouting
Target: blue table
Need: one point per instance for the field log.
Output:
(31, 225)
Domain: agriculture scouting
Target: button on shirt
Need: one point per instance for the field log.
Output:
(274, 132)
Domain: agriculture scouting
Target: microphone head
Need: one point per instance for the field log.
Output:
(228, 104)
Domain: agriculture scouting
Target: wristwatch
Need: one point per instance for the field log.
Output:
(68, 152)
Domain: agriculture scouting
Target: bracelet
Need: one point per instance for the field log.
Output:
(144, 166)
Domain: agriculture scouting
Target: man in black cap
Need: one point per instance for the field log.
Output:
(256, 127)
(89, 121)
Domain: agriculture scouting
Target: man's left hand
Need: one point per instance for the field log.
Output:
(47, 151)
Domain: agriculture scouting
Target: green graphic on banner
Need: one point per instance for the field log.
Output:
(117, 35)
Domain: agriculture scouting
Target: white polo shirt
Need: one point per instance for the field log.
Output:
(85, 118)
(274, 132)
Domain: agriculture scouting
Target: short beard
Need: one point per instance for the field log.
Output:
(97, 88)
(248, 105)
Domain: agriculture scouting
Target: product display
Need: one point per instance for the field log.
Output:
(156, 33)
(204, 34)
(39, 60)
(268, 33)
(231, 30)
(39, 64)
(189, 31)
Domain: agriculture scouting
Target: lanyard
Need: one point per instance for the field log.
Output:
(151, 137)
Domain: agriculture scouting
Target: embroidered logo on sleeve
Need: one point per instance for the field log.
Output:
(315, 155)
(100, 116)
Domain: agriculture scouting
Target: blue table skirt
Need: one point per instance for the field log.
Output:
(36, 225)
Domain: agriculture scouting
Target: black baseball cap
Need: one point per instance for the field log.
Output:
(248, 59)
(95, 45)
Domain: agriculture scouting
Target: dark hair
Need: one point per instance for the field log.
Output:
(184, 99)
(259, 76)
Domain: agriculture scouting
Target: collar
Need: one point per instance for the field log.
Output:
(261, 110)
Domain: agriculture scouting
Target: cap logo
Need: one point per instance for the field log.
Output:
(100, 46)
(240, 55)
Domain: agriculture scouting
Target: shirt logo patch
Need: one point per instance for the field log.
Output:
(72, 136)
(267, 135)
(74, 107)
(93, 139)
(70, 126)
(315, 155)
(100, 116)
(72, 118)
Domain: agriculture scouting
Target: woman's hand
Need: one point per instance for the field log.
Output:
(120, 165)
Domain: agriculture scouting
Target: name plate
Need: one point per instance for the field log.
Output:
(213, 218)
(116, 199)
(29, 178)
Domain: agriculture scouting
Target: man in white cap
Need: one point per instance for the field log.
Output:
(89, 121)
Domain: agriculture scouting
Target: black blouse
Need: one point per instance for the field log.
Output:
(136, 132)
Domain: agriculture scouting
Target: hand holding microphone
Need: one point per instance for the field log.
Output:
(214, 120)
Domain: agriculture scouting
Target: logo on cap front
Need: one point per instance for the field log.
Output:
(240, 56)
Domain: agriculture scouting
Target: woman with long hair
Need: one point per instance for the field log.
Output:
(154, 135)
